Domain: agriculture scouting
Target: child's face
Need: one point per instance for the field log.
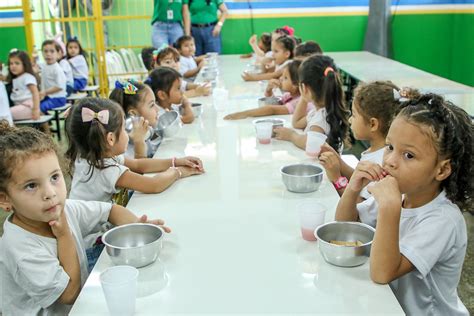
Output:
(286, 83)
(50, 54)
(279, 53)
(148, 108)
(176, 95)
(188, 48)
(169, 61)
(16, 66)
(359, 125)
(73, 49)
(411, 158)
(120, 144)
(37, 191)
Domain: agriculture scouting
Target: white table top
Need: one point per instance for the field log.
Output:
(236, 245)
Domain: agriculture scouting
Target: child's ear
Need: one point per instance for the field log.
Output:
(132, 112)
(444, 170)
(161, 95)
(374, 124)
(110, 139)
(5, 202)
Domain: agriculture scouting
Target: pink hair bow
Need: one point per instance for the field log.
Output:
(89, 115)
(289, 29)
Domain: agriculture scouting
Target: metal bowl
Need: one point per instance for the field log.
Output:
(169, 124)
(302, 178)
(277, 122)
(197, 109)
(342, 255)
(135, 245)
(268, 101)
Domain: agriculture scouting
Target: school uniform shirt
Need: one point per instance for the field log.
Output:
(183, 85)
(94, 184)
(375, 157)
(280, 67)
(20, 91)
(317, 117)
(67, 71)
(32, 277)
(186, 64)
(53, 76)
(5, 112)
(79, 67)
(161, 9)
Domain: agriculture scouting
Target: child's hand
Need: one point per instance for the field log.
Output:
(253, 40)
(202, 63)
(283, 133)
(274, 83)
(36, 114)
(235, 116)
(203, 89)
(386, 192)
(248, 77)
(190, 161)
(157, 222)
(364, 173)
(188, 171)
(139, 130)
(330, 162)
(60, 226)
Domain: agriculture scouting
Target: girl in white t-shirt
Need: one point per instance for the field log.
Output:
(97, 143)
(25, 93)
(66, 67)
(417, 194)
(373, 108)
(80, 70)
(44, 264)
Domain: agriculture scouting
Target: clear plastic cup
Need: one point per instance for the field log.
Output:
(314, 141)
(119, 284)
(220, 98)
(312, 215)
(264, 132)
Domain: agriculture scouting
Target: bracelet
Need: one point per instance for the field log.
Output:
(180, 174)
(220, 23)
(173, 162)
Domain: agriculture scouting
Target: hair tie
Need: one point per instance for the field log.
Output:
(13, 50)
(88, 115)
(328, 70)
(128, 87)
(289, 29)
(72, 38)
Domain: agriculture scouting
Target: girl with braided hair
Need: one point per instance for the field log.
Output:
(423, 183)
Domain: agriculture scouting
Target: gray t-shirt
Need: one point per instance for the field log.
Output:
(32, 276)
(53, 76)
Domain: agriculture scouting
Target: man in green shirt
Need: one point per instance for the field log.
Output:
(169, 17)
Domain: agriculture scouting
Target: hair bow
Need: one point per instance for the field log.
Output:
(158, 50)
(328, 70)
(128, 87)
(289, 29)
(88, 115)
(147, 81)
(399, 97)
(72, 38)
(13, 50)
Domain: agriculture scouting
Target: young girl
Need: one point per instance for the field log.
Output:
(66, 66)
(189, 66)
(137, 100)
(289, 84)
(75, 56)
(97, 142)
(373, 108)
(53, 80)
(165, 83)
(282, 49)
(319, 84)
(44, 263)
(260, 47)
(423, 183)
(25, 95)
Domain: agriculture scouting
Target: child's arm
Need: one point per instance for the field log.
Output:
(254, 44)
(386, 261)
(36, 101)
(119, 215)
(140, 128)
(49, 91)
(272, 84)
(193, 72)
(197, 91)
(188, 115)
(266, 76)
(299, 140)
(298, 119)
(262, 111)
(67, 255)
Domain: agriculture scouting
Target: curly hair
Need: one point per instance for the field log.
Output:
(327, 89)
(19, 144)
(451, 132)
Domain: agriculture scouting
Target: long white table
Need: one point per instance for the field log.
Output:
(236, 245)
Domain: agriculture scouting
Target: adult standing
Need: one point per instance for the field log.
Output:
(206, 25)
(167, 22)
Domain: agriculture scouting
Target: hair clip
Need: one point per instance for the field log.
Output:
(147, 81)
(128, 87)
(13, 50)
(399, 95)
(72, 38)
(158, 50)
(328, 70)
(88, 115)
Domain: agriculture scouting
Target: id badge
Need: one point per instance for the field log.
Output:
(170, 14)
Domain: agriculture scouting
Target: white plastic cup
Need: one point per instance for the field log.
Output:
(264, 132)
(312, 215)
(314, 141)
(119, 284)
(220, 97)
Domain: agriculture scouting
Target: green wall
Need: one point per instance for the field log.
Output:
(11, 37)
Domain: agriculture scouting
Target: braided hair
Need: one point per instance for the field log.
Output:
(452, 135)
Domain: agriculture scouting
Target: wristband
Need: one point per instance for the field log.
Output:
(220, 23)
(340, 183)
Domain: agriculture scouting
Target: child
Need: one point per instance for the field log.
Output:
(97, 142)
(66, 66)
(137, 100)
(306, 49)
(289, 84)
(190, 66)
(373, 108)
(43, 256)
(423, 183)
(75, 56)
(25, 95)
(165, 83)
(321, 85)
(282, 49)
(260, 48)
(53, 80)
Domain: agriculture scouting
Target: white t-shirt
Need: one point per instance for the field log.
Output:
(20, 91)
(33, 277)
(4, 105)
(318, 118)
(53, 76)
(183, 86)
(100, 186)
(269, 54)
(67, 71)
(375, 157)
(280, 67)
(186, 64)
(79, 67)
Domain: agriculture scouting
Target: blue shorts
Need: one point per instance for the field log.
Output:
(51, 103)
(79, 84)
(93, 255)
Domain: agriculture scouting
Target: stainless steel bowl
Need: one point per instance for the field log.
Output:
(169, 124)
(197, 109)
(302, 178)
(277, 122)
(341, 255)
(268, 101)
(136, 245)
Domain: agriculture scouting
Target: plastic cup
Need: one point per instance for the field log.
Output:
(220, 97)
(119, 284)
(312, 215)
(314, 141)
(264, 132)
